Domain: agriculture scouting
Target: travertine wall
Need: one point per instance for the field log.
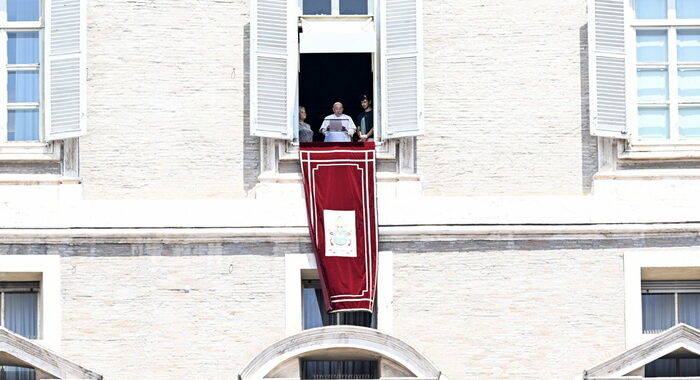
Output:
(159, 317)
(165, 99)
(511, 314)
(476, 315)
(504, 98)
(505, 107)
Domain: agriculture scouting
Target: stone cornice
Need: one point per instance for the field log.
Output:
(426, 233)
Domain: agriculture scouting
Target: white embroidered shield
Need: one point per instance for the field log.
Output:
(340, 233)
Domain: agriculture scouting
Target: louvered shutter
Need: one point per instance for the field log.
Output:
(401, 38)
(65, 73)
(274, 61)
(606, 28)
(670, 286)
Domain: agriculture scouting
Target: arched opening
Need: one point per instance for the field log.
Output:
(340, 352)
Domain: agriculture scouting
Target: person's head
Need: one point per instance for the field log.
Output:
(365, 102)
(302, 113)
(338, 108)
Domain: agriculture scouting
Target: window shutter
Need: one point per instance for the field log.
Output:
(606, 67)
(401, 39)
(274, 68)
(65, 69)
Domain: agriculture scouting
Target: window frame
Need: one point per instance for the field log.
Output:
(335, 8)
(292, 146)
(679, 262)
(21, 26)
(47, 270)
(335, 16)
(636, 146)
(24, 289)
(66, 54)
(406, 11)
(315, 284)
(35, 150)
(300, 267)
(676, 288)
(375, 375)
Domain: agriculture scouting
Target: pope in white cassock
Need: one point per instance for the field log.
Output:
(338, 127)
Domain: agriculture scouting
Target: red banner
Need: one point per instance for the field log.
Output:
(339, 182)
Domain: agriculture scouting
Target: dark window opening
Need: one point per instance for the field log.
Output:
(17, 373)
(19, 307)
(317, 7)
(339, 369)
(315, 315)
(673, 367)
(325, 7)
(328, 78)
(353, 7)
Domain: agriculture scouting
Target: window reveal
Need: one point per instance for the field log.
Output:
(19, 308)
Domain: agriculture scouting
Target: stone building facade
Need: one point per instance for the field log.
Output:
(517, 234)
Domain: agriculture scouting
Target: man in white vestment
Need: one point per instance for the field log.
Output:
(338, 127)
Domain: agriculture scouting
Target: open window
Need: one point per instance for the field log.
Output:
(44, 79)
(339, 76)
(387, 34)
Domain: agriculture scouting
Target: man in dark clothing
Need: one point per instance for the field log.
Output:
(365, 120)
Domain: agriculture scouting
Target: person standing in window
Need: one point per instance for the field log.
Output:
(338, 127)
(365, 120)
(305, 132)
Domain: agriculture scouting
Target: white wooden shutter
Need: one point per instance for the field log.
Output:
(273, 68)
(401, 81)
(65, 69)
(606, 39)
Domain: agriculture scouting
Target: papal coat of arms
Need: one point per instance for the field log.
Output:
(339, 227)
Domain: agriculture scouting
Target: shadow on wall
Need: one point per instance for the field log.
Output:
(589, 146)
(251, 144)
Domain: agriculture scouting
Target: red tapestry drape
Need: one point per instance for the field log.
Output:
(339, 183)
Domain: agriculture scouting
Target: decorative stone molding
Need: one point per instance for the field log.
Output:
(20, 351)
(628, 363)
(327, 340)
(174, 235)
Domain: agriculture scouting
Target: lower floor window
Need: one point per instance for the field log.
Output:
(19, 308)
(17, 373)
(315, 314)
(339, 369)
(673, 367)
